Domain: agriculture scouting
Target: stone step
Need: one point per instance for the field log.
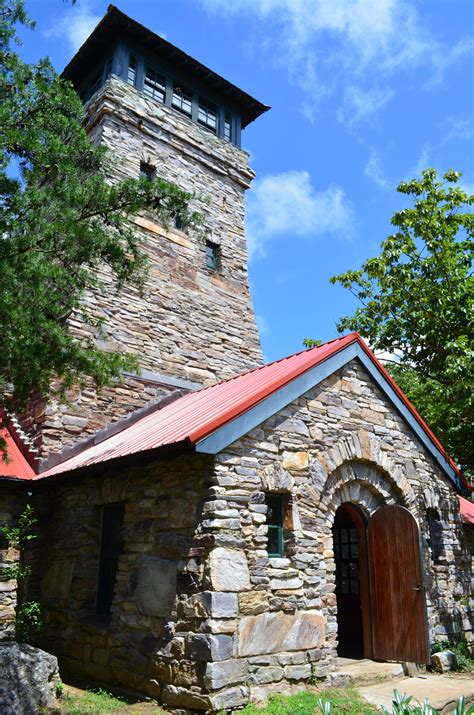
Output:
(365, 672)
(441, 690)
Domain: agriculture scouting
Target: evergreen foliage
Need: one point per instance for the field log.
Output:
(63, 226)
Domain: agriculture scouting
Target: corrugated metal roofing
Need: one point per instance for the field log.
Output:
(466, 508)
(17, 466)
(197, 414)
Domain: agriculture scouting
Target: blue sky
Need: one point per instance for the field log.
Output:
(364, 93)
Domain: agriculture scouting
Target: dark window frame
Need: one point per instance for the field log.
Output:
(207, 109)
(435, 539)
(111, 547)
(227, 134)
(185, 96)
(213, 256)
(276, 508)
(132, 71)
(156, 84)
(97, 79)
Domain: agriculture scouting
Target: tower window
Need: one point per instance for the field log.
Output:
(154, 84)
(275, 518)
(181, 100)
(95, 82)
(212, 255)
(132, 70)
(207, 116)
(228, 127)
(110, 549)
(435, 541)
(177, 222)
(146, 171)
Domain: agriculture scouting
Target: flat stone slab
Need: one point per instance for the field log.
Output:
(368, 671)
(441, 691)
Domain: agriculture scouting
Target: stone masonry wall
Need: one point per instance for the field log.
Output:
(190, 322)
(12, 503)
(203, 619)
(341, 442)
(146, 642)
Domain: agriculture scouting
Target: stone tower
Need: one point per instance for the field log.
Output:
(162, 112)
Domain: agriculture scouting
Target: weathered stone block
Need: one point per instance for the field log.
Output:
(339, 679)
(289, 584)
(210, 604)
(272, 632)
(270, 674)
(155, 592)
(227, 672)
(298, 672)
(444, 661)
(295, 461)
(210, 647)
(56, 583)
(229, 570)
(182, 697)
(229, 699)
(253, 602)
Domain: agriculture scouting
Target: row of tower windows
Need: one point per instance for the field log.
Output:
(165, 90)
(155, 86)
(213, 255)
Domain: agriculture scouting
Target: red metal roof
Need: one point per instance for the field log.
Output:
(196, 415)
(17, 465)
(466, 508)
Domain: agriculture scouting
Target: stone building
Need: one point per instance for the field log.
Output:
(217, 529)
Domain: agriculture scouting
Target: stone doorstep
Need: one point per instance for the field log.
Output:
(365, 672)
(442, 691)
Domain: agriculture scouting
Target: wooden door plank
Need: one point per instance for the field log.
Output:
(398, 609)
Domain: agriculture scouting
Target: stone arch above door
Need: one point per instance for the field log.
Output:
(365, 485)
(380, 472)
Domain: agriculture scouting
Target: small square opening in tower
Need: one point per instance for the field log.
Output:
(212, 256)
(147, 171)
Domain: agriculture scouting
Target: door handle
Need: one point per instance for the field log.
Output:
(417, 588)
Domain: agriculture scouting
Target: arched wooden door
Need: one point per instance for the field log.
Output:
(398, 612)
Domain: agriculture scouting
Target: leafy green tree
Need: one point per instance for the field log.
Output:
(417, 302)
(62, 223)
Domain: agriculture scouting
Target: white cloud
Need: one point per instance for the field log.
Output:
(328, 45)
(458, 128)
(359, 105)
(75, 25)
(288, 204)
(373, 170)
(262, 324)
(450, 56)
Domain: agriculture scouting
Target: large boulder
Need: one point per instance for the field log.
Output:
(444, 661)
(28, 679)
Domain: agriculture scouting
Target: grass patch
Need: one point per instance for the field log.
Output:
(97, 701)
(343, 700)
(91, 701)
